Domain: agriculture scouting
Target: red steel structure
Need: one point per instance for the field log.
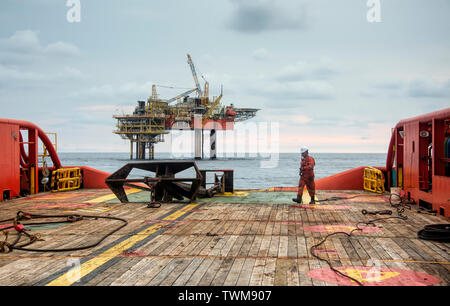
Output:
(418, 160)
(19, 166)
(19, 170)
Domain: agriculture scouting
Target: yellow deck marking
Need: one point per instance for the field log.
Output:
(259, 190)
(371, 276)
(111, 196)
(66, 279)
(306, 198)
(58, 196)
(90, 210)
(417, 261)
(233, 194)
(321, 206)
(181, 212)
(339, 228)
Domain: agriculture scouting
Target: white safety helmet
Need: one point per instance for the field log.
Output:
(304, 149)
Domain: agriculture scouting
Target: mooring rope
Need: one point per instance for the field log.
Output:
(400, 207)
(6, 247)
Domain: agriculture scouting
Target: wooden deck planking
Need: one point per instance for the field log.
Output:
(132, 275)
(258, 272)
(237, 244)
(188, 271)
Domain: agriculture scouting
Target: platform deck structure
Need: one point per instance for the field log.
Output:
(249, 238)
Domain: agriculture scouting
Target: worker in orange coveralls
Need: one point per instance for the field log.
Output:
(306, 177)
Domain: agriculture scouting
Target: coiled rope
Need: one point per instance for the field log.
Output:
(435, 232)
(6, 247)
(400, 207)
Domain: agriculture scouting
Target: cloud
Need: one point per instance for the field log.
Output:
(418, 87)
(25, 61)
(9, 75)
(27, 42)
(62, 48)
(299, 81)
(107, 108)
(130, 89)
(287, 120)
(428, 88)
(324, 69)
(24, 41)
(312, 80)
(389, 84)
(260, 54)
(267, 15)
(367, 137)
(295, 91)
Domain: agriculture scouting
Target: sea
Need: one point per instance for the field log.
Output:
(250, 172)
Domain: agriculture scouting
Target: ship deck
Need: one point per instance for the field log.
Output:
(251, 238)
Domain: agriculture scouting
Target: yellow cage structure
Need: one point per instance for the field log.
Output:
(66, 179)
(373, 180)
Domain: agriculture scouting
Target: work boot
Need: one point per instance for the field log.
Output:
(298, 200)
(313, 201)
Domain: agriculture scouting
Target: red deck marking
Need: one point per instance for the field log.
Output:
(62, 205)
(363, 198)
(133, 254)
(5, 226)
(374, 276)
(339, 228)
(291, 223)
(322, 207)
(168, 222)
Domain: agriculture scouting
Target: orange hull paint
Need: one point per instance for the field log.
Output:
(422, 169)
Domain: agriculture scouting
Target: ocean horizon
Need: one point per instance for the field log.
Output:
(260, 171)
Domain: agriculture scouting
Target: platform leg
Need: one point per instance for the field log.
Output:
(198, 136)
(213, 138)
(131, 150)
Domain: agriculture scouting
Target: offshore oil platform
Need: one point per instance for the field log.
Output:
(155, 118)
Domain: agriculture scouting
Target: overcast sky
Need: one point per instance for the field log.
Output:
(332, 80)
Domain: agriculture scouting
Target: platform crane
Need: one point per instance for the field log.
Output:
(213, 106)
(194, 74)
(184, 94)
(211, 109)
